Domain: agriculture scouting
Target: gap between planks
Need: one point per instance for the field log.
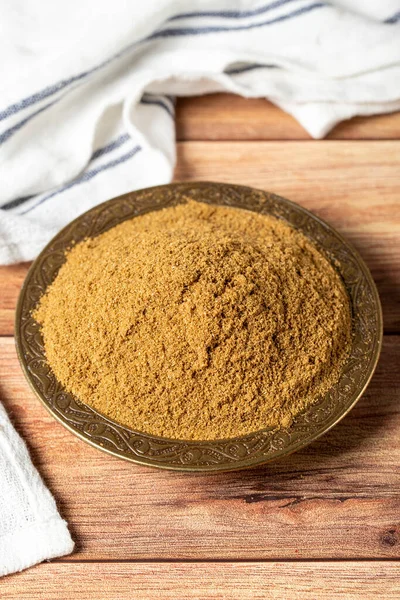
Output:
(221, 561)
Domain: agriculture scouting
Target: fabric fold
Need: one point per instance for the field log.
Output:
(23, 548)
(31, 529)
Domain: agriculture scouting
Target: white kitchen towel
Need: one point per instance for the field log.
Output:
(31, 530)
(87, 89)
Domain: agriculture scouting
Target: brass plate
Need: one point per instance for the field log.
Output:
(223, 455)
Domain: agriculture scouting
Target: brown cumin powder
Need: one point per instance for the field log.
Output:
(197, 322)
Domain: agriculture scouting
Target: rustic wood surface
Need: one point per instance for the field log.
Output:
(228, 117)
(322, 523)
(226, 581)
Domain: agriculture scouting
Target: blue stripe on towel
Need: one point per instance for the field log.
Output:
(57, 87)
(45, 93)
(111, 146)
(158, 101)
(147, 99)
(86, 176)
(393, 19)
(117, 143)
(64, 83)
(177, 32)
(16, 202)
(233, 14)
(245, 68)
(11, 130)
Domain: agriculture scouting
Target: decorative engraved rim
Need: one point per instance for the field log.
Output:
(221, 455)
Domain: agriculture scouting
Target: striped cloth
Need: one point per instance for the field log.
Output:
(88, 89)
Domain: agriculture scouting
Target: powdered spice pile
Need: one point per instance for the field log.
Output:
(197, 322)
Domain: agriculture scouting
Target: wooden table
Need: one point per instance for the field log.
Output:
(323, 523)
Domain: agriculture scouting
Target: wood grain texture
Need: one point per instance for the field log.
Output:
(226, 581)
(338, 498)
(11, 280)
(229, 117)
(355, 186)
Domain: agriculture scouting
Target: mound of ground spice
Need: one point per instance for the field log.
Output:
(197, 322)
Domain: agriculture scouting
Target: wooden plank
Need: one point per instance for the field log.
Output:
(221, 581)
(11, 279)
(339, 498)
(353, 185)
(230, 117)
